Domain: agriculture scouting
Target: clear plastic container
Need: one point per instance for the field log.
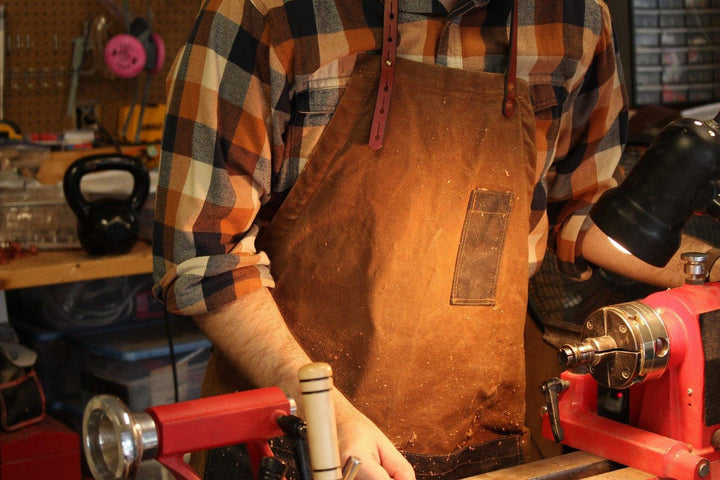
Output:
(648, 57)
(37, 216)
(697, 3)
(646, 3)
(145, 383)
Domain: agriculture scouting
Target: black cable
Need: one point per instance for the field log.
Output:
(173, 364)
(296, 428)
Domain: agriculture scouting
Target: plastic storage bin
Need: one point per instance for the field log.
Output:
(104, 302)
(32, 213)
(133, 362)
(37, 216)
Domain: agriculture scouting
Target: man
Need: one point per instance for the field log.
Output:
(404, 225)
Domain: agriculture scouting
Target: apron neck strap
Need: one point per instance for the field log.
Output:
(387, 71)
(387, 74)
(511, 74)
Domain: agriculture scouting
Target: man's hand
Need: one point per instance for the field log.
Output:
(360, 437)
(252, 334)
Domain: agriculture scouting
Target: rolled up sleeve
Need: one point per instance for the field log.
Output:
(216, 163)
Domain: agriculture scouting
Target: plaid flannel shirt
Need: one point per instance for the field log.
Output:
(258, 80)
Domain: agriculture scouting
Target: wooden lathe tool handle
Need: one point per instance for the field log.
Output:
(316, 386)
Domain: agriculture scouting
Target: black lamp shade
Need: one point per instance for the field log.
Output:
(636, 229)
(672, 181)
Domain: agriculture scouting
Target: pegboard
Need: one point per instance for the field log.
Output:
(39, 38)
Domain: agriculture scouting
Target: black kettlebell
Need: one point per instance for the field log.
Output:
(107, 225)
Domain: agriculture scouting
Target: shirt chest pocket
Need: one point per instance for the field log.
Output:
(321, 96)
(312, 108)
(546, 100)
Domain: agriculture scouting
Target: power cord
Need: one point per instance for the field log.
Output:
(89, 304)
(173, 363)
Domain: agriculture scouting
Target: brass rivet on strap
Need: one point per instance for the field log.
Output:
(509, 109)
(388, 63)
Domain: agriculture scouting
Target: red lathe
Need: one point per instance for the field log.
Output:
(665, 350)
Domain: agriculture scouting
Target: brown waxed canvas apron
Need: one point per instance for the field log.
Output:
(406, 268)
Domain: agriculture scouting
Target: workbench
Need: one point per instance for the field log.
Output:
(570, 466)
(72, 265)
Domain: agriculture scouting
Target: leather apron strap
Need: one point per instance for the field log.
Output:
(511, 74)
(387, 74)
(387, 71)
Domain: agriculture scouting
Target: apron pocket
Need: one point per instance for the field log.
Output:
(481, 247)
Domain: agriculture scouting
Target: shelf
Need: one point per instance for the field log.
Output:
(62, 266)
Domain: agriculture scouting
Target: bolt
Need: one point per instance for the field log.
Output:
(589, 325)
(695, 267)
(690, 392)
(703, 469)
(622, 328)
(715, 439)
(566, 357)
(625, 374)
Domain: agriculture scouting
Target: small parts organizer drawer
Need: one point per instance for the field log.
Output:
(676, 50)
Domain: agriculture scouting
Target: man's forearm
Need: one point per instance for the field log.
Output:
(252, 335)
(598, 250)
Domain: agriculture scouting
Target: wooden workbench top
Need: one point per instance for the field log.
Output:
(571, 466)
(62, 266)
